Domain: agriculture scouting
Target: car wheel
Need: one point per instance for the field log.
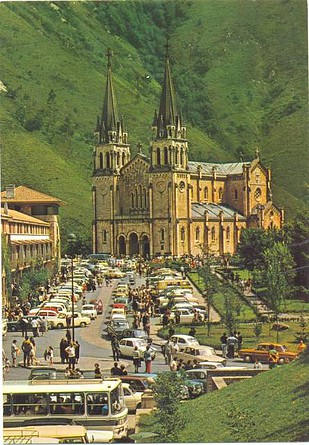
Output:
(59, 326)
(282, 361)
(83, 325)
(248, 359)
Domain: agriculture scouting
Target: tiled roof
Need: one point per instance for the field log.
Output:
(198, 211)
(233, 168)
(22, 217)
(26, 194)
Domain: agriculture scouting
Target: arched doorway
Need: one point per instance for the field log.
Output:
(133, 244)
(122, 245)
(145, 247)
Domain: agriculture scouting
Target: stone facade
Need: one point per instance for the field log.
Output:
(164, 203)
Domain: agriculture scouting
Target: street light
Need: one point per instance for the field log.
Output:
(71, 245)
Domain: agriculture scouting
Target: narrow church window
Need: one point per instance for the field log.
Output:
(136, 198)
(206, 193)
(140, 196)
(176, 156)
(165, 156)
(118, 159)
(132, 199)
(158, 156)
(162, 235)
(181, 157)
(108, 165)
(104, 236)
(145, 198)
(182, 234)
(220, 193)
(228, 234)
(235, 194)
(101, 161)
(123, 159)
(213, 234)
(197, 234)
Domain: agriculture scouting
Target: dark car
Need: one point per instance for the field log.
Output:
(43, 373)
(16, 325)
(116, 327)
(133, 333)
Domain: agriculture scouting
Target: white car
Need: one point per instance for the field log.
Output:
(127, 345)
(186, 316)
(184, 340)
(90, 311)
(200, 354)
(60, 321)
(133, 399)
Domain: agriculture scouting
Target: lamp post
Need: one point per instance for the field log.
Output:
(71, 244)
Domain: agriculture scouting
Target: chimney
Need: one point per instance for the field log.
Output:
(10, 191)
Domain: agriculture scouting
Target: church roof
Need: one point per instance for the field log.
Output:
(198, 211)
(110, 115)
(168, 100)
(23, 194)
(231, 168)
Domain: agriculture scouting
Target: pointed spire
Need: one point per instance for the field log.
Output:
(110, 108)
(168, 100)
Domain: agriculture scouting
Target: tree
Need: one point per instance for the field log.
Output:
(278, 275)
(168, 391)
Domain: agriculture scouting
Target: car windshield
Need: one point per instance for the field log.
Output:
(141, 342)
(89, 307)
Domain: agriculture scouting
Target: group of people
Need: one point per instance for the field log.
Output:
(231, 344)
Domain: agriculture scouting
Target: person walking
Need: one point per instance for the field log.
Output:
(50, 355)
(43, 326)
(77, 351)
(273, 357)
(70, 350)
(115, 348)
(231, 343)
(15, 351)
(97, 371)
(148, 359)
(24, 326)
(168, 352)
(223, 340)
(62, 347)
(239, 341)
(26, 348)
(35, 327)
(115, 370)
(136, 359)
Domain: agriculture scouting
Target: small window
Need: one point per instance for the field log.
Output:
(158, 156)
(162, 234)
(165, 156)
(213, 234)
(101, 160)
(220, 193)
(104, 236)
(206, 193)
(197, 234)
(228, 233)
(182, 234)
(236, 194)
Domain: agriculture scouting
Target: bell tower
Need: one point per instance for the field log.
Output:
(111, 153)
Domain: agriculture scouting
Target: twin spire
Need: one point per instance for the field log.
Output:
(166, 124)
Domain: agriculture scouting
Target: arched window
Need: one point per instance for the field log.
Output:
(197, 234)
(206, 193)
(136, 197)
(145, 198)
(158, 156)
(213, 234)
(228, 234)
(220, 193)
(123, 159)
(101, 160)
(235, 194)
(118, 159)
(165, 155)
(108, 164)
(181, 156)
(176, 156)
(132, 199)
(182, 234)
(140, 196)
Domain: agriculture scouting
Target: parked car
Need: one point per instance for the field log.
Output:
(132, 398)
(43, 373)
(138, 382)
(15, 325)
(201, 354)
(186, 316)
(261, 353)
(184, 340)
(116, 327)
(61, 321)
(127, 345)
(136, 333)
(98, 305)
(89, 310)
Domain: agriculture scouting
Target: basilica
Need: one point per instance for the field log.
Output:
(165, 204)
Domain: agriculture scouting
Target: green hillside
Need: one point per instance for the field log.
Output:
(271, 407)
(239, 68)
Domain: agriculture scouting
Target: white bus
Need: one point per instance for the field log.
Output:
(95, 404)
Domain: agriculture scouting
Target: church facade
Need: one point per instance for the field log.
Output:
(164, 203)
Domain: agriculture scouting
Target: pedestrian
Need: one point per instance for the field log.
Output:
(26, 348)
(62, 347)
(115, 348)
(174, 348)
(24, 326)
(77, 351)
(257, 364)
(136, 359)
(147, 328)
(231, 343)
(97, 371)
(70, 350)
(177, 316)
(35, 327)
(115, 370)
(192, 331)
(33, 360)
(301, 347)
(239, 341)
(171, 331)
(223, 340)
(15, 351)
(273, 357)
(43, 325)
(50, 355)
(148, 359)
(68, 336)
(123, 370)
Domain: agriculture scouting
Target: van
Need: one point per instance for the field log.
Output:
(62, 433)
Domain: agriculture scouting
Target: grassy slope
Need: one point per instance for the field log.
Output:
(272, 407)
(44, 49)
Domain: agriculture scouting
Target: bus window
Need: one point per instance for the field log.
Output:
(7, 410)
(29, 404)
(117, 400)
(67, 403)
(97, 404)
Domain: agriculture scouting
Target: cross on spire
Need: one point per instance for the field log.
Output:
(109, 55)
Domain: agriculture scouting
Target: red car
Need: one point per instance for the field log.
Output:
(98, 306)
